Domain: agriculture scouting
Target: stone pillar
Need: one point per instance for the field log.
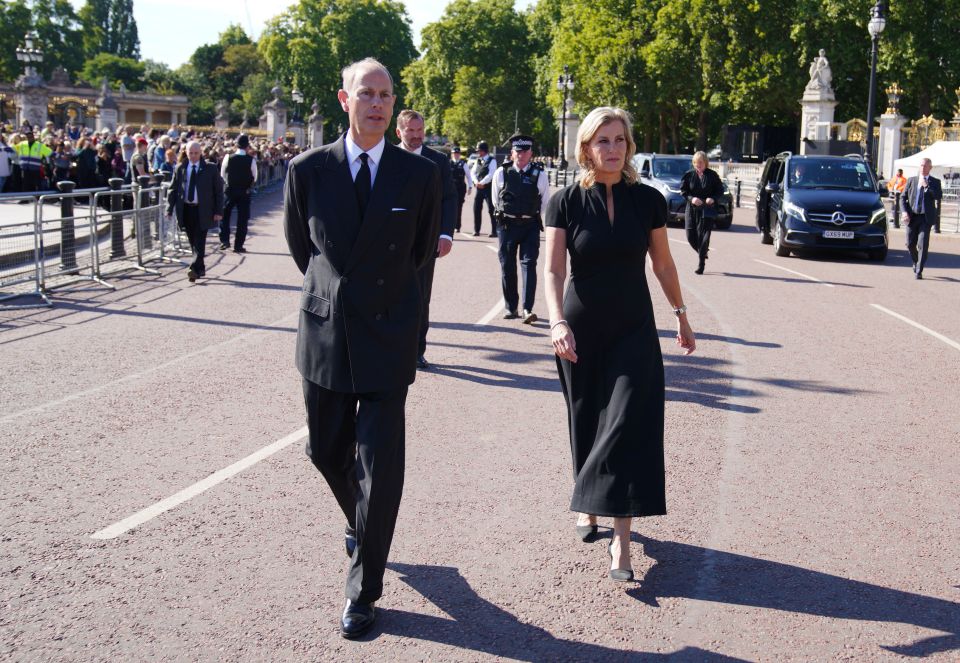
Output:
(891, 122)
(570, 140)
(817, 104)
(174, 117)
(123, 116)
(148, 117)
(276, 112)
(107, 109)
(315, 125)
(299, 133)
(222, 121)
(31, 89)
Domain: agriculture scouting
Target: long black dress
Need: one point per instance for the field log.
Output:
(615, 391)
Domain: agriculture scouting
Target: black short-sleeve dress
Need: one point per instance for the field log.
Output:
(615, 391)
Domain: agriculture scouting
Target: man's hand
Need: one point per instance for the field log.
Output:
(696, 202)
(480, 186)
(709, 201)
(443, 247)
(905, 217)
(217, 217)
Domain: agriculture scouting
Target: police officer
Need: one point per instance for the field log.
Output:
(32, 154)
(482, 174)
(519, 189)
(239, 171)
(462, 180)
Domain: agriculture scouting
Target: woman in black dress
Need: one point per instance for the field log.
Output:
(604, 332)
(701, 186)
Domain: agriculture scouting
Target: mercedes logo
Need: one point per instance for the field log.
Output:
(839, 218)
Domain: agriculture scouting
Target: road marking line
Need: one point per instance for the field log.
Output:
(143, 373)
(806, 276)
(680, 241)
(940, 337)
(154, 510)
(493, 248)
(491, 314)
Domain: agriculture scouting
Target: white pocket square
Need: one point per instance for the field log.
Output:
(399, 209)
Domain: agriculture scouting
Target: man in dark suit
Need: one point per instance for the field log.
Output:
(921, 212)
(410, 133)
(361, 216)
(197, 196)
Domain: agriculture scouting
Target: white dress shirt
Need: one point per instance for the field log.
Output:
(490, 171)
(253, 166)
(542, 185)
(374, 154)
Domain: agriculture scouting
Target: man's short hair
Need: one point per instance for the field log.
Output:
(406, 115)
(352, 70)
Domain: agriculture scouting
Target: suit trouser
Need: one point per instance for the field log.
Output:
(481, 195)
(461, 196)
(425, 280)
(357, 443)
(197, 234)
(242, 203)
(525, 239)
(698, 230)
(918, 240)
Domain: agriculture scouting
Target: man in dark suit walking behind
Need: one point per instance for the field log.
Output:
(410, 133)
(361, 216)
(239, 171)
(921, 212)
(197, 196)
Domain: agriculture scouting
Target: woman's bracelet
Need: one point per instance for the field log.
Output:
(559, 322)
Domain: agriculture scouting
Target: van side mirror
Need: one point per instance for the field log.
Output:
(645, 174)
(772, 187)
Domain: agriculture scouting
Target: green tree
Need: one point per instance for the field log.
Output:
(110, 27)
(58, 28)
(483, 107)
(115, 69)
(15, 22)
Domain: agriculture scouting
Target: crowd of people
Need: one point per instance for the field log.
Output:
(36, 159)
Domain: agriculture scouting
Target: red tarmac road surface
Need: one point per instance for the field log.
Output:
(811, 448)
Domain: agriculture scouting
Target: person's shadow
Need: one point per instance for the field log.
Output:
(476, 624)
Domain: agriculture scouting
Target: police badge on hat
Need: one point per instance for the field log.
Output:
(521, 142)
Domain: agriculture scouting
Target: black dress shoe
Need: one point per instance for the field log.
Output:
(492, 235)
(357, 619)
(476, 234)
(422, 363)
(239, 249)
(350, 540)
(191, 275)
(919, 276)
(619, 575)
(586, 532)
(510, 315)
(223, 247)
(529, 317)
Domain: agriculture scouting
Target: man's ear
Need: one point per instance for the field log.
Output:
(342, 97)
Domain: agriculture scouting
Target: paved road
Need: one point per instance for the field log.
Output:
(811, 458)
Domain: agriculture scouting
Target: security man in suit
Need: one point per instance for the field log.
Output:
(462, 181)
(921, 212)
(519, 189)
(482, 174)
(361, 217)
(239, 171)
(196, 194)
(410, 133)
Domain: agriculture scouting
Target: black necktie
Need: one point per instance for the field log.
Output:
(920, 191)
(192, 190)
(362, 183)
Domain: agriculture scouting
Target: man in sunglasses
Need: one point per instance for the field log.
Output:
(519, 189)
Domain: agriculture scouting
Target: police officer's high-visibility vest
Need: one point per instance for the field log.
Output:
(30, 155)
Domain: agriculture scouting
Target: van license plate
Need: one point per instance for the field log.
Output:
(838, 234)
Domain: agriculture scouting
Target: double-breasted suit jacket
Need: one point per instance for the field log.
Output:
(209, 193)
(448, 208)
(931, 198)
(360, 305)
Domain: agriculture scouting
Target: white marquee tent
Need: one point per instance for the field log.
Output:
(944, 154)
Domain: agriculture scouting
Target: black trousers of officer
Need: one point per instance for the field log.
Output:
(918, 240)
(485, 193)
(357, 443)
(197, 234)
(425, 280)
(698, 231)
(525, 239)
(240, 201)
(461, 196)
(30, 180)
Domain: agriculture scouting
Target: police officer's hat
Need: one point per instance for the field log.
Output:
(243, 141)
(455, 149)
(521, 142)
(482, 145)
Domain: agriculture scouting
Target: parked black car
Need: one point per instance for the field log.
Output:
(663, 173)
(821, 202)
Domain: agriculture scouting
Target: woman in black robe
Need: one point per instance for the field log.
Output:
(604, 333)
(701, 186)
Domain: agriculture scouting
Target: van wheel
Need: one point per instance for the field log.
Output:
(778, 246)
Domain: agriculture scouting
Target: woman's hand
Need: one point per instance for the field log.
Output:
(563, 342)
(696, 201)
(685, 337)
(709, 201)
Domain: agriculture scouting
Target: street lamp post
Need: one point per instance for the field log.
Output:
(29, 55)
(876, 25)
(564, 84)
(297, 97)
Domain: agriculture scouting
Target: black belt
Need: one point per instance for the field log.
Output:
(191, 204)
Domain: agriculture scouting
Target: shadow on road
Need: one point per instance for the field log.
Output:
(749, 581)
(476, 624)
(667, 333)
(787, 279)
(896, 258)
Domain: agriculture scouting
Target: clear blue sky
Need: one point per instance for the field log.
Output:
(170, 30)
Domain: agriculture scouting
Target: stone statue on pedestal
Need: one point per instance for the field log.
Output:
(821, 78)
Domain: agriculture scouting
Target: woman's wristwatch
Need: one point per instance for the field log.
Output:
(680, 310)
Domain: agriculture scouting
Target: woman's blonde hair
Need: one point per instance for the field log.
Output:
(697, 156)
(595, 119)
